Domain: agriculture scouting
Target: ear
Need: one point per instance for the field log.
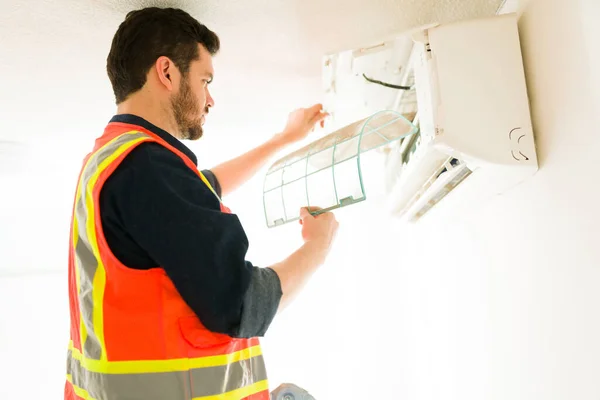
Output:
(165, 71)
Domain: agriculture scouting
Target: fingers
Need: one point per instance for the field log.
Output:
(304, 213)
(315, 109)
(318, 119)
(316, 114)
(307, 211)
(320, 116)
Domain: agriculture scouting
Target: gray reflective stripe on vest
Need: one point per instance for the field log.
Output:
(85, 260)
(199, 382)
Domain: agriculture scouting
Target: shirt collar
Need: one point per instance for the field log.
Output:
(166, 136)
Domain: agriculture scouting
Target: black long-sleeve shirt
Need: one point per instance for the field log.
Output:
(156, 211)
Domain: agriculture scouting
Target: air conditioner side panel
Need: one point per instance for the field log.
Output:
(348, 95)
(483, 110)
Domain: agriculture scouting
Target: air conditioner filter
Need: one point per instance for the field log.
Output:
(327, 172)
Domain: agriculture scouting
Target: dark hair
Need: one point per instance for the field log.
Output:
(148, 34)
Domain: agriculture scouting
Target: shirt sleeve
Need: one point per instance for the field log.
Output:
(173, 216)
(260, 302)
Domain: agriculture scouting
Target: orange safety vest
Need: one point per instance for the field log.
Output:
(132, 335)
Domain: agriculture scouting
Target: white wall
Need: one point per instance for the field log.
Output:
(501, 306)
(34, 333)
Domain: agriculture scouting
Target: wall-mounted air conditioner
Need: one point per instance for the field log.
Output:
(463, 86)
(473, 115)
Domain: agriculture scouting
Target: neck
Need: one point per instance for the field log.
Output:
(147, 107)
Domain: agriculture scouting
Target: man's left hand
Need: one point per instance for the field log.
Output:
(301, 122)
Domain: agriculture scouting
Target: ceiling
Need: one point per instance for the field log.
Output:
(54, 52)
(55, 97)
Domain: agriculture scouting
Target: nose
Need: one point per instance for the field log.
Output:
(210, 102)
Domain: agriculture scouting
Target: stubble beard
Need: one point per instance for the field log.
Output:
(185, 105)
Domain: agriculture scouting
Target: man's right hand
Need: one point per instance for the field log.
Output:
(320, 229)
(318, 233)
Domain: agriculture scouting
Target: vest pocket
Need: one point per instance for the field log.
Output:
(196, 335)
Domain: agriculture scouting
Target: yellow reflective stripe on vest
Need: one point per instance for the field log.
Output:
(233, 395)
(233, 380)
(238, 393)
(79, 391)
(89, 266)
(152, 366)
(82, 328)
(207, 183)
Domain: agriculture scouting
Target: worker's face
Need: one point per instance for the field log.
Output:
(192, 101)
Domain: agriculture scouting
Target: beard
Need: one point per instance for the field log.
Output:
(186, 111)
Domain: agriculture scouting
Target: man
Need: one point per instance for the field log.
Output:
(163, 303)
